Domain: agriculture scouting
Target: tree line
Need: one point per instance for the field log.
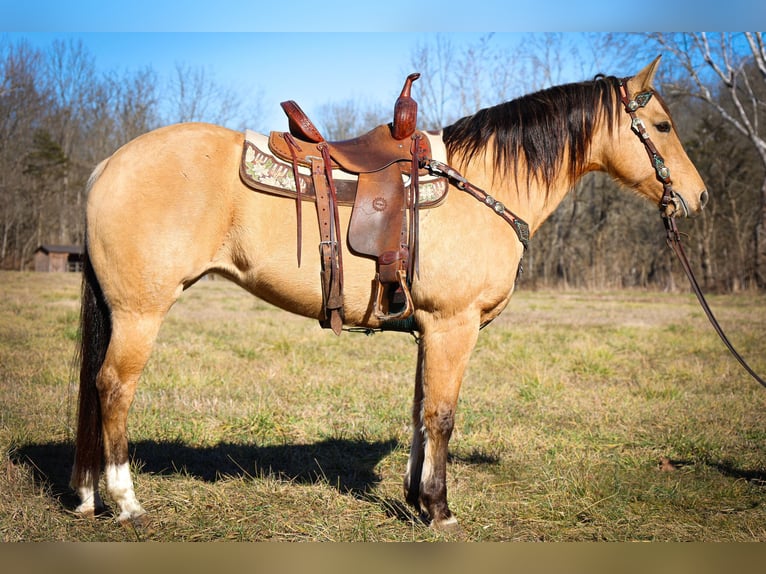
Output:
(59, 118)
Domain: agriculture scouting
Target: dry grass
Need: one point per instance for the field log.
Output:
(253, 424)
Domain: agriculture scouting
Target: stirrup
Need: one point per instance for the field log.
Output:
(408, 305)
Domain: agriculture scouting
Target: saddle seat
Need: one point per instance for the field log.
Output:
(372, 151)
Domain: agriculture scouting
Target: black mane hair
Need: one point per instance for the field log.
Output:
(542, 126)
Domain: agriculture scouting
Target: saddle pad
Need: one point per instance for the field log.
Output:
(262, 171)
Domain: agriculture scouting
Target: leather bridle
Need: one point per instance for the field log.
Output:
(669, 196)
(658, 162)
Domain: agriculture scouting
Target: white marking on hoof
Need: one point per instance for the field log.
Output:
(86, 511)
(130, 515)
(447, 525)
(120, 488)
(90, 501)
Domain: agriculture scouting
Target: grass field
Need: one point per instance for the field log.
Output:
(254, 424)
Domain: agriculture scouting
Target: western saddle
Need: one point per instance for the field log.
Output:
(384, 220)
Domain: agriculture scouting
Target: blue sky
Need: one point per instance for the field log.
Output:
(312, 68)
(328, 50)
(380, 15)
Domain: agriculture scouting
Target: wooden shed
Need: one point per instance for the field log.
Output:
(58, 258)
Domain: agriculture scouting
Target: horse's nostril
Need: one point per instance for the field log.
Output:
(704, 197)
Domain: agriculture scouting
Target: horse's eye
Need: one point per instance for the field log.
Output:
(663, 127)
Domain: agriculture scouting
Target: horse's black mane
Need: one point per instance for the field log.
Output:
(541, 126)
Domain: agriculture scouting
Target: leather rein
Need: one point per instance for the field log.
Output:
(669, 196)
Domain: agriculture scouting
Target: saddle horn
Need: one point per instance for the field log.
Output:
(405, 111)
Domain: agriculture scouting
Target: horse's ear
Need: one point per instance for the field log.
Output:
(643, 80)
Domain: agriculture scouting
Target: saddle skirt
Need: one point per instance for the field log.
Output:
(262, 170)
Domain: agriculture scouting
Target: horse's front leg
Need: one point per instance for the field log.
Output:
(442, 358)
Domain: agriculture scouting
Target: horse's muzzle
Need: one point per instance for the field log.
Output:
(677, 206)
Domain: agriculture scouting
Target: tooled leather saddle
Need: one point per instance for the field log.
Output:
(379, 174)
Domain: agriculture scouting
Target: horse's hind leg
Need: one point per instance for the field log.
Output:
(415, 462)
(442, 358)
(133, 335)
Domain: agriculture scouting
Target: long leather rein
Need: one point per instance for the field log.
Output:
(669, 196)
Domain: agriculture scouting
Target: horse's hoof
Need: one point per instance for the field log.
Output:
(448, 526)
(89, 511)
(137, 520)
(141, 526)
(85, 514)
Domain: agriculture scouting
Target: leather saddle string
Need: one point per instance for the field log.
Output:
(293, 145)
(335, 218)
(673, 236)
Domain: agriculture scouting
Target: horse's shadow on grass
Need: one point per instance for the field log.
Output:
(727, 468)
(345, 464)
(756, 477)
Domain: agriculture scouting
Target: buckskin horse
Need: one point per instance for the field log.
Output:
(170, 207)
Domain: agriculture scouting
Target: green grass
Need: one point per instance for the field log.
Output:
(253, 424)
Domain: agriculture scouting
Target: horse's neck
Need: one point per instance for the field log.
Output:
(533, 203)
(539, 202)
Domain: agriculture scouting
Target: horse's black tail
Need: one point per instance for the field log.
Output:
(95, 333)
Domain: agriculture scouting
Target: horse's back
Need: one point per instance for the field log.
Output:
(145, 169)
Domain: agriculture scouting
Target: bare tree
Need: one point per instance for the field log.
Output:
(24, 102)
(436, 87)
(195, 96)
(71, 77)
(458, 82)
(496, 68)
(59, 117)
(135, 103)
(728, 72)
(350, 118)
